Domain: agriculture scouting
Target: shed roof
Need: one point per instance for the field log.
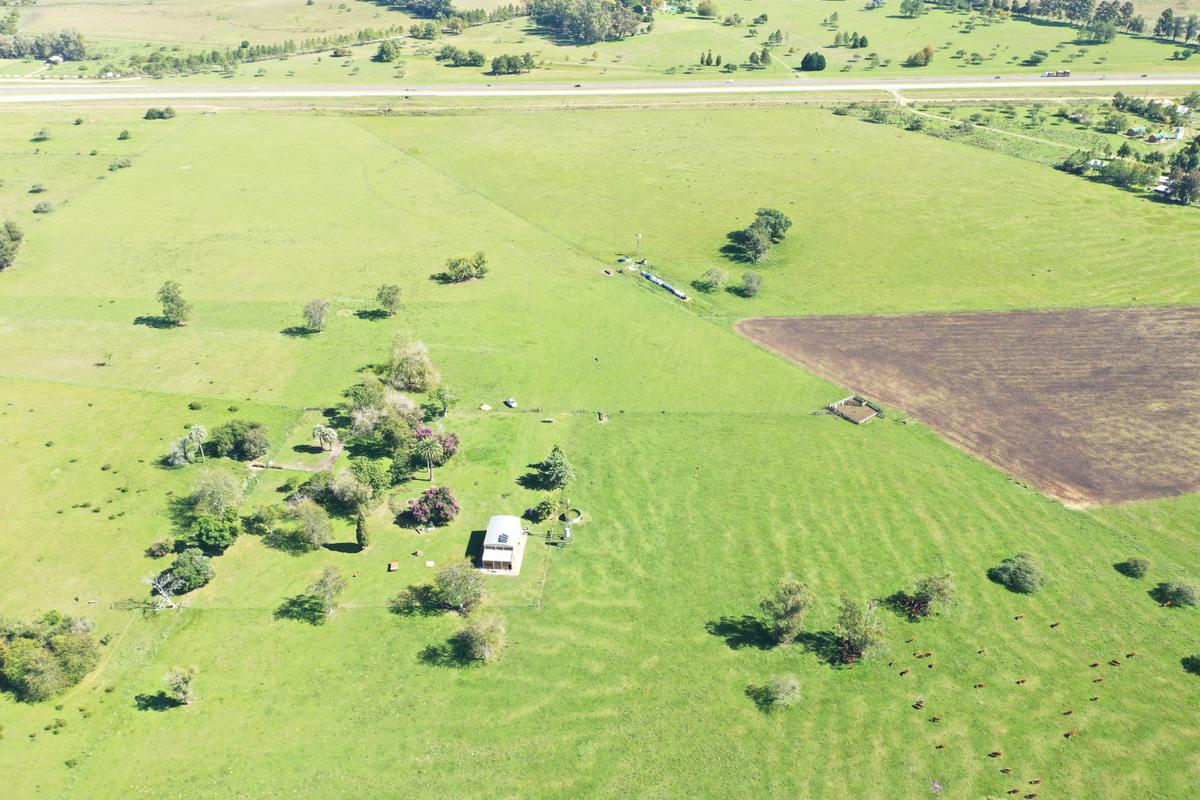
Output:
(502, 531)
(491, 554)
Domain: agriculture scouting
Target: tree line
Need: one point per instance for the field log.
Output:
(587, 21)
(70, 45)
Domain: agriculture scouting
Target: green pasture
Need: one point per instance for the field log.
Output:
(628, 663)
(671, 51)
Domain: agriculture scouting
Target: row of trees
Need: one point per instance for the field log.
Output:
(508, 64)
(458, 57)
(70, 45)
(851, 40)
(812, 62)
(713, 279)
(587, 21)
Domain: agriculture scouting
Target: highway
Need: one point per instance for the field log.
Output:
(43, 91)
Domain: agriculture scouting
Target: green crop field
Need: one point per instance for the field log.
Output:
(629, 658)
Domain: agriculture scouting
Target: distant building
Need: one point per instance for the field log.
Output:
(55, 60)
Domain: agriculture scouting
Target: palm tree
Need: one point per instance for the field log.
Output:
(430, 449)
(198, 435)
(325, 436)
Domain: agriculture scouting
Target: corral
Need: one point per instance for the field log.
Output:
(1064, 400)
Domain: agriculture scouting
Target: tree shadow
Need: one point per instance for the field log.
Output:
(904, 605)
(740, 632)
(151, 321)
(761, 697)
(735, 248)
(299, 331)
(1191, 664)
(533, 479)
(825, 645)
(372, 314)
(159, 701)
(309, 449)
(1128, 569)
(303, 608)
(146, 606)
(287, 541)
(1166, 595)
(450, 654)
(417, 600)
(342, 547)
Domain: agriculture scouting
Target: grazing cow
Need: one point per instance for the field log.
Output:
(1130, 654)
(1055, 624)
(995, 754)
(1068, 713)
(935, 719)
(980, 685)
(1115, 662)
(1069, 734)
(1006, 770)
(1021, 681)
(905, 671)
(1094, 699)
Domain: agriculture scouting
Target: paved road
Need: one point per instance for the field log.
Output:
(16, 91)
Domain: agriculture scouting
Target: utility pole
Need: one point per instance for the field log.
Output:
(637, 248)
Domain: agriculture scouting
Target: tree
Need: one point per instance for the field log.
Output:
(316, 314)
(556, 472)
(1165, 25)
(435, 506)
(859, 630)
(921, 58)
(388, 51)
(166, 586)
(751, 284)
(215, 492)
(1019, 574)
(410, 368)
(325, 436)
(441, 400)
(240, 440)
(707, 9)
(756, 242)
(459, 587)
(712, 280)
(192, 569)
(388, 298)
(312, 524)
(429, 450)
(465, 268)
(774, 221)
(361, 535)
(175, 309)
(316, 603)
(785, 609)
(214, 534)
(485, 637)
(813, 62)
(179, 685)
(912, 8)
(371, 473)
(197, 435)
(1185, 186)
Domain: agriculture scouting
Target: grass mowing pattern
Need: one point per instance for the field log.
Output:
(708, 482)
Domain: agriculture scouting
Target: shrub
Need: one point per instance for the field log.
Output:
(781, 691)
(706, 8)
(462, 268)
(459, 587)
(159, 113)
(123, 135)
(1018, 574)
(161, 548)
(37, 188)
(712, 280)
(751, 284)
(43, 208)
(484, 638)
(1133, 567)
(1177, 594)
(931, 593)
(544, 510)
(435, 506)
(370, 473)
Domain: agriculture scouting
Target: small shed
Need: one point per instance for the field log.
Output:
(503, 545)
(856, 409)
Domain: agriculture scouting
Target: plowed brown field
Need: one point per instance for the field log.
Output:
(1088, 405)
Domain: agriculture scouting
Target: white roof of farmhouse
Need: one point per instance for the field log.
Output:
(502, 531)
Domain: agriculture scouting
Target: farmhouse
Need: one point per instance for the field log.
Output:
(503, 546)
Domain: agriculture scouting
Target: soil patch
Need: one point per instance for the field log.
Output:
(1089, 405)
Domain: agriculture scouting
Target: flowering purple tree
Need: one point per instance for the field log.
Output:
(435, 506)
(448, 441)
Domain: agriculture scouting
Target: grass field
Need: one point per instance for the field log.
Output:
(670, 51)
(629, 658)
